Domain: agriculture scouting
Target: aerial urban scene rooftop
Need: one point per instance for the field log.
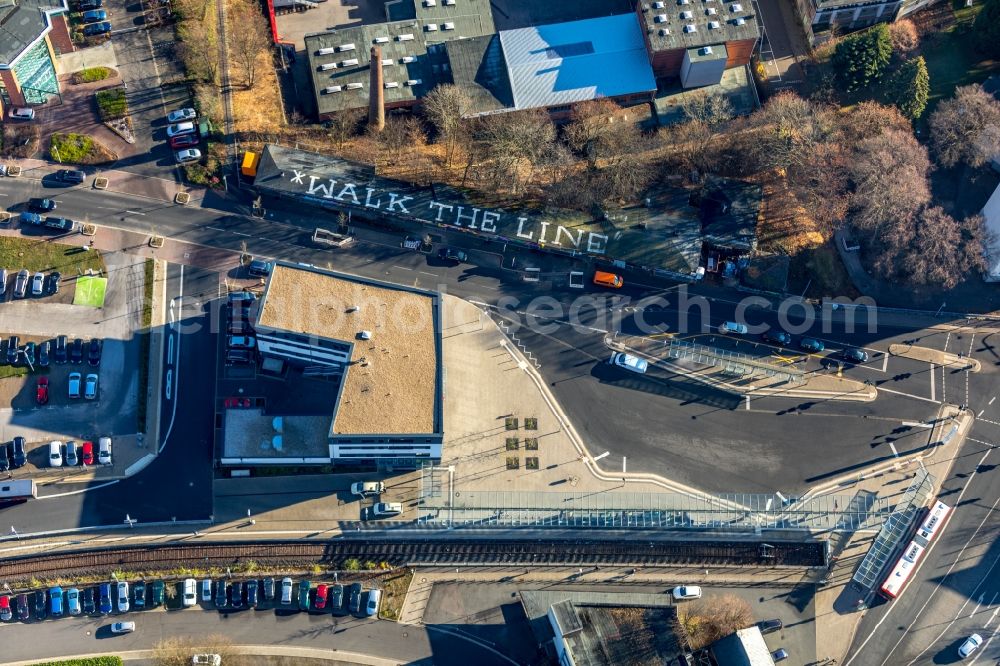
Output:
(502, 332)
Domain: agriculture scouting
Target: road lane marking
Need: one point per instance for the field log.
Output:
(135, 212)
(894, 451)
(909, 395)
(980, 413)
(215, 228)
(240, 233)
(932, 381)
(992, 635)
(748, 402)
(917, 424)
(991, 400)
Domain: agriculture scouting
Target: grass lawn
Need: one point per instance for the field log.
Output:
(91, 74)
(394, 589)
(13, 371)
(90, 291)
(819, 272)
(112, 104)
(88, 661)
(78, 149)
(43, 255)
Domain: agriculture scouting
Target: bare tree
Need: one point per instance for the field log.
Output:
(890, 179)
(710, 109)
(944, 251)
(904, 37)
(708, 620)
(963, 128)
(512, 145)
(398, 138)
(446, 107)
(594, 127)
(344, 125)
(198, 49)
(248, 37)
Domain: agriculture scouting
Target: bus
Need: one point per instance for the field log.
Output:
(899, 576)
(18, 490)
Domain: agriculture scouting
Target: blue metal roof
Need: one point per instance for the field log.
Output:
(562, 63)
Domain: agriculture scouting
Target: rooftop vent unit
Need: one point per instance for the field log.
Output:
(387, 61)
(350, 62)
(659, 5)
(690, 27)
(430, 3)
(739, 20)
(345, 47)
(449, 2)
(711, 11)
(448, 26)
(735, 7)
(408, 59)
(686, 15)
(414, 82)
(660, 18)
(407, 37)
(381, 40)
(332, 89)
(391, 84)
(664, 32)
(431, 27)
(328, 66)
(713, 25)
(355, 86)
(364, 335)
(327, 51)
(705, 50)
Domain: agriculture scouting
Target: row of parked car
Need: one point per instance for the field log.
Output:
(12, 454)
(182, 132)
(241, 345)
(122, 597)
(39, 283)
(69, 455)
(59, 350)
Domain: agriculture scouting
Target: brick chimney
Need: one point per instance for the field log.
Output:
(376, 96)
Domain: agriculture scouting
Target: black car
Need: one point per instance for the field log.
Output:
(94, 352)
(52, 283)
(269, 589)
(236, 595)
(43, 354)
(60, 223)
(76, 351)
(43, 205)
(88, 601)
(140, 594)
(855, 355)
(94, 29)
(28, 353)
(355, 604)
(220, 593)
(40, 605)
(75, 175)
(4, 461)
(87, 5)
(60, 349)
(23, 609)
(769, 626)
(812, 345)
(777, 337)
(13, 349)
(18, 456)
(448, 254)
(252, 586)
(337, 598)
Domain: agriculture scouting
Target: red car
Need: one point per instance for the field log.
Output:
(184, 141)
(321, 597)
(87, 453)
(42, 390)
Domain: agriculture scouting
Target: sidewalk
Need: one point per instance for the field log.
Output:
(124, 182)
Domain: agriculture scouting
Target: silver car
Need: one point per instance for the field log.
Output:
(21, 283)
(37, 284)
(71, 458)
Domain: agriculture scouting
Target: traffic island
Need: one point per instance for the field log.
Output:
(935, 356)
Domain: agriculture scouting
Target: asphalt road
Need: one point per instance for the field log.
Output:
(403, 643)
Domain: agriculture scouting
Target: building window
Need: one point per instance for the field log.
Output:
(37, 74)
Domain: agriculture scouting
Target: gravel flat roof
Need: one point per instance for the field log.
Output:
(391, 384)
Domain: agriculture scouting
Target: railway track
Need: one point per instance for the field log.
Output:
(424, 552)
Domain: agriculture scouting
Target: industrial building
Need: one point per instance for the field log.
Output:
(549, 66)
(32, 34)
(377, 345)
(822, 17)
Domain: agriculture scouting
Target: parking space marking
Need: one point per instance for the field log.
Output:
(240, 233)
(77, 492)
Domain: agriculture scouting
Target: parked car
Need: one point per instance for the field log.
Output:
(42, 390)
(178, 129)
(105, 598)
(73, 175)
(180, 115)
(104, 451)
(22, 113)
(94, 29)
(55, 454)
(374, 596)
(252, 587)
(6, 615)
(629, 362)
(71, 458)
(73, 601)
(76, 351)
(123, 597)
(19, 457)
(86, 5)
(159, 588)
(52, 284)
(206, 590)
(190, 592)
(88, 601)
(970, 645)
(269, 589)
(59, 352)
(337, 598)
(386, 509)
(207, 660)
(94, 15)
(94, 350)
(20, 285)
(780, 654)
(236, 595)
(90, 387)
(241, 342)
(259, 268)
(41, 605)
(123, 627)
(686, 592)
(184, 141)
(286, 591)
(367, 488)
(4, 460)
(304, 587)
(187, 155)
(29, 218)
(43, 354)
(60, 224)
(855, 355)
(769, 626)
(319, 602)
(23, 608)
(13, 349)
(220, 593)
(74, 384)
(56, 601)
(812, 345)
(87, 454)
(732, 328)
(139, 594)
(3, 280)
(448, 254)
(777, 337)
(354, 605)
(43, 205)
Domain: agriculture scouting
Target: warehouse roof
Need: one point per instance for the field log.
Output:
(477, 66)
(562, 63)
(22, 22)
(685, 24)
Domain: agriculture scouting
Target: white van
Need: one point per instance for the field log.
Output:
(384, 509)
(55, 454)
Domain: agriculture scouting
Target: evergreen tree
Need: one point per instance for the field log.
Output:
(909, 88)
(986, 29)
(861, 58)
